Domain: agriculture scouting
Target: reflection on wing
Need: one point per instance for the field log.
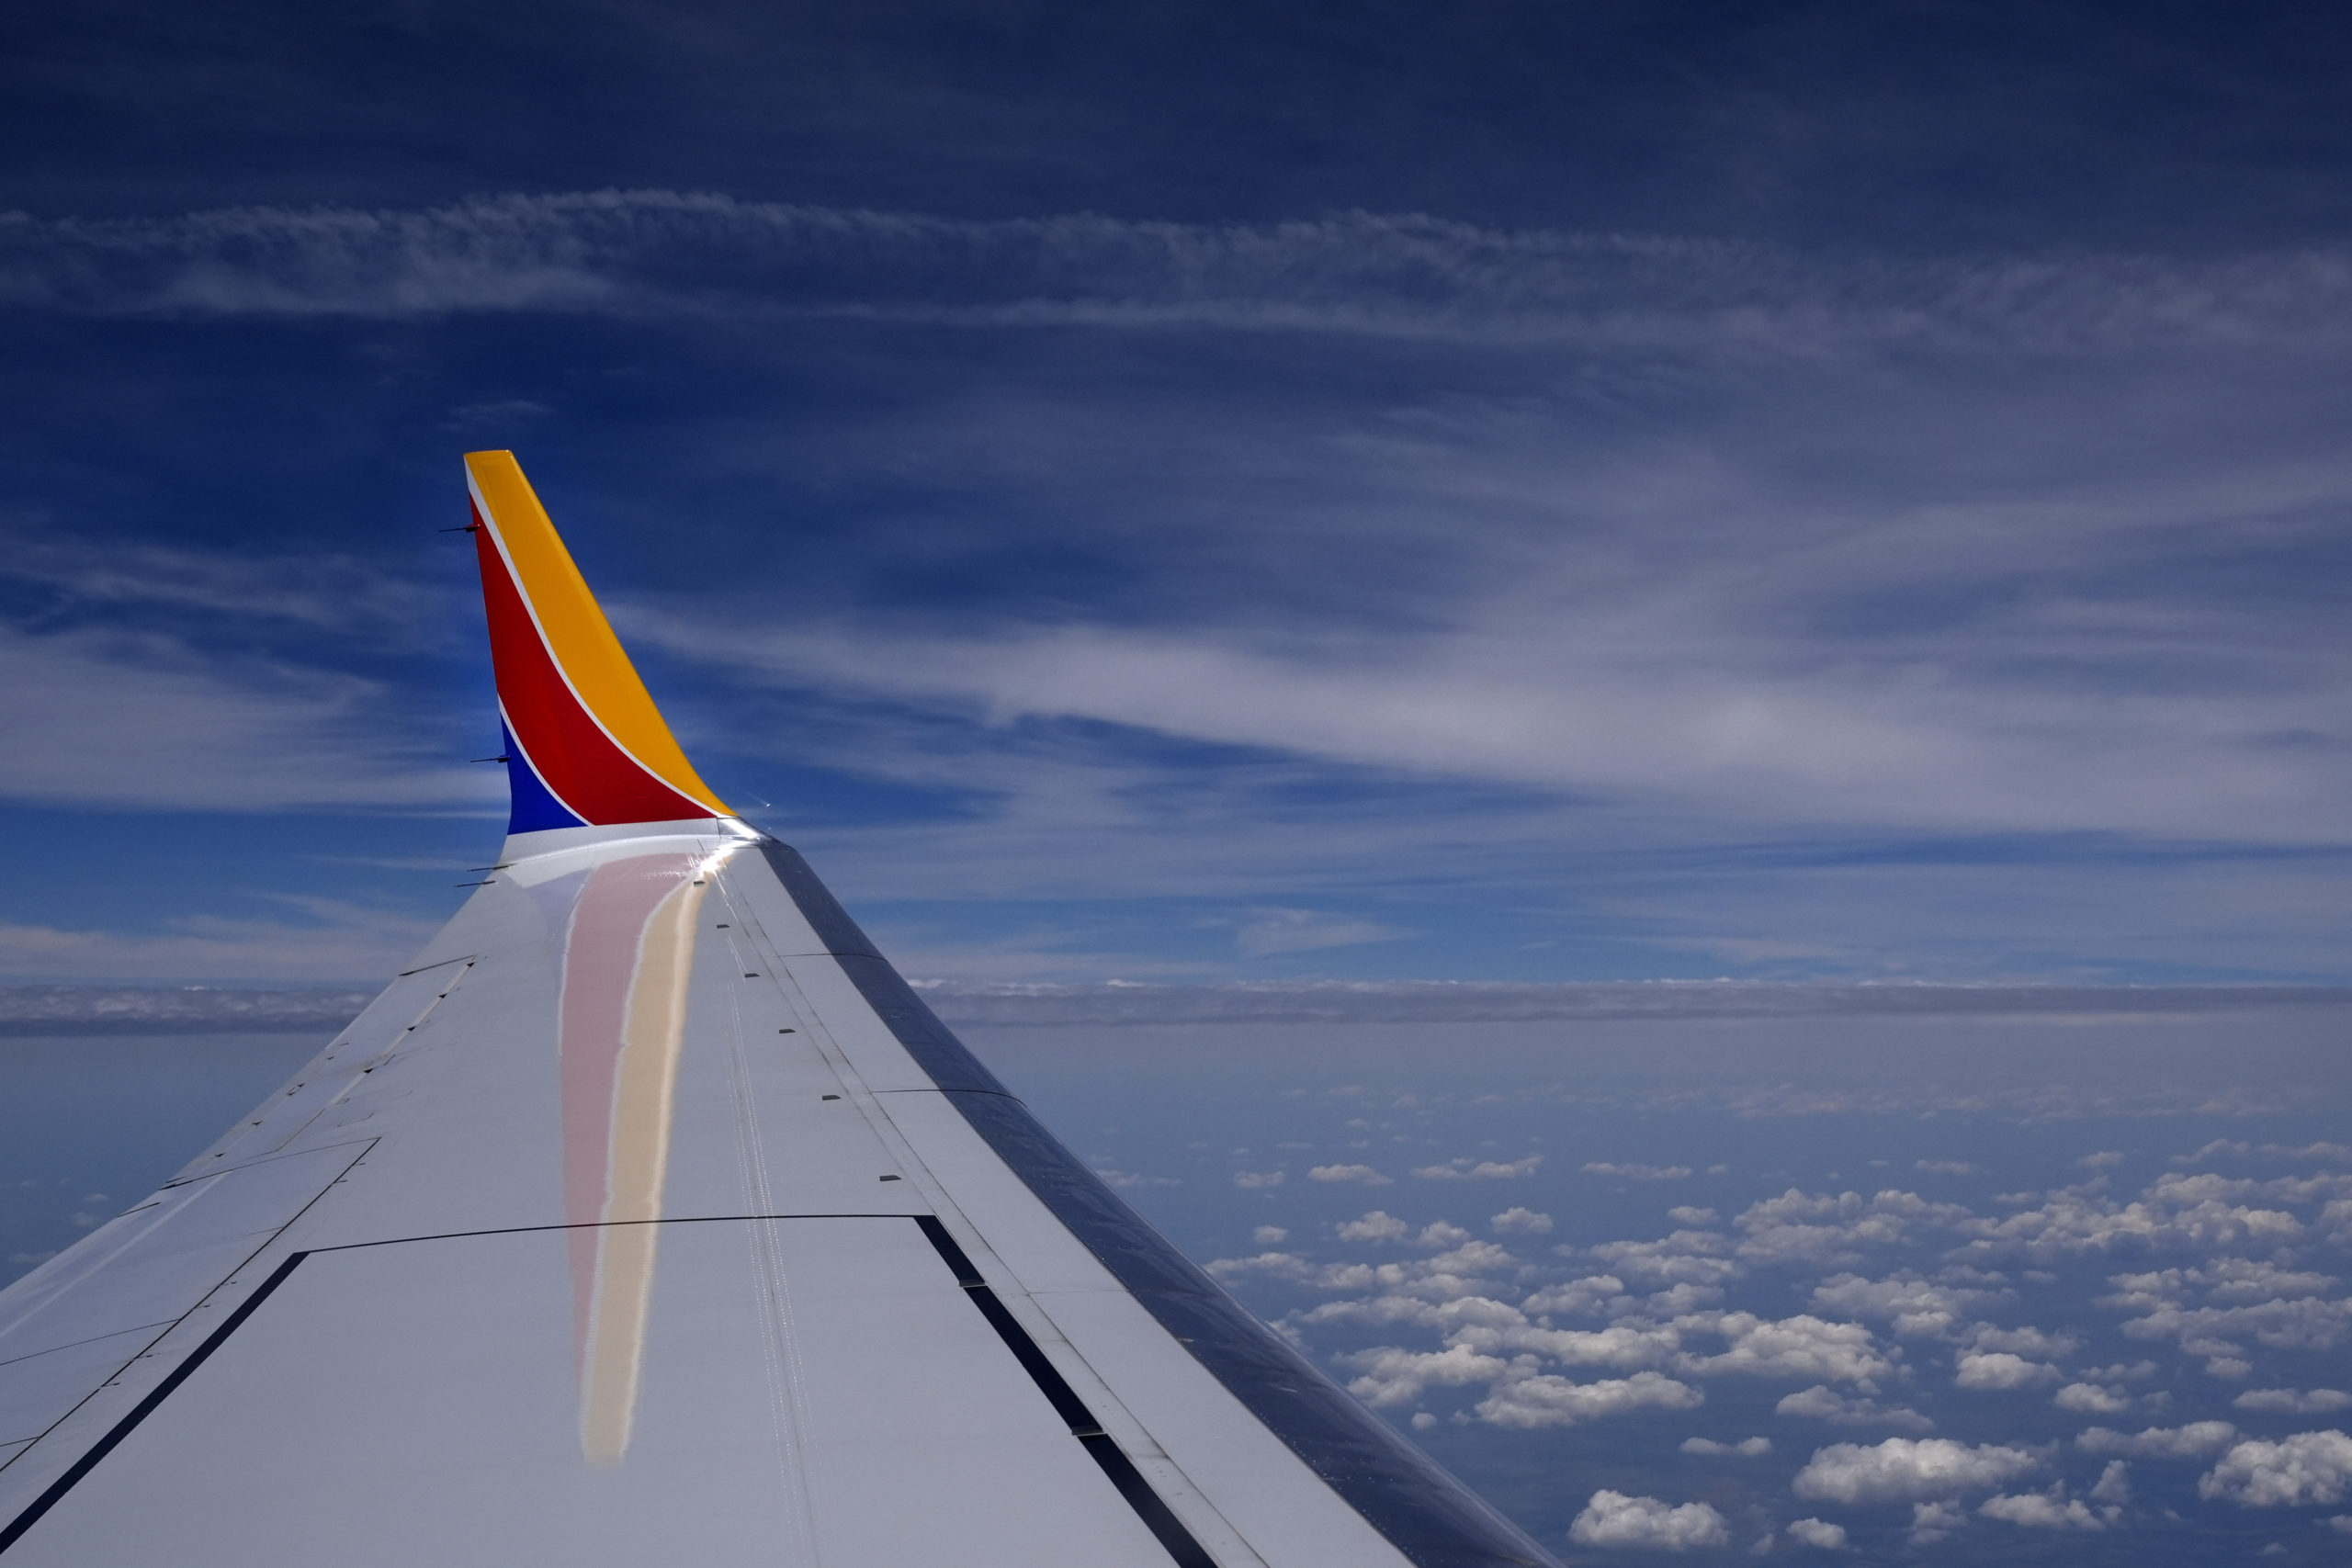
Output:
(652, 1218)
(627, 955)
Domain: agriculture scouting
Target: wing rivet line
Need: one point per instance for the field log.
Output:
(1117, 1468)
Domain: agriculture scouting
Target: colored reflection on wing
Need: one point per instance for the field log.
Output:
(629, 955)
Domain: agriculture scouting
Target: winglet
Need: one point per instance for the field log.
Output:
(586, 747)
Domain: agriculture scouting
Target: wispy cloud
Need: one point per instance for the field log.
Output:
(299, 940)
(316, 589)
(1305, 930)
(180, 676)
(640, 252)
(1770, 612)
(1644, 699)
(99, 717)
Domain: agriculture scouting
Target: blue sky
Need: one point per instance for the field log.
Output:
(1206, 492)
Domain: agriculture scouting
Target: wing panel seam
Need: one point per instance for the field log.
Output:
(365, 1144)
(147, 1407)
(1117, 1468)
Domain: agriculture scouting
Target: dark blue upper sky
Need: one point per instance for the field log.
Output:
(1917, 127)
(1516, 490)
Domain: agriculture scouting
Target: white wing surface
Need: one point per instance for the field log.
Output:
(650, 1217)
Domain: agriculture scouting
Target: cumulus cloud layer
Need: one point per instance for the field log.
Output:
(1820, 1533)
(1036, 1004)
(2305, 1469)
(2294, 1402)
(1822, 1403)
(2042, 1510)
(1613, 1518)
(185, 1010)
(1747, 1448)
(1546, 1400)
(1903, 1468)
(2196, 1439)
(1911, 1306)
(1957, 1390)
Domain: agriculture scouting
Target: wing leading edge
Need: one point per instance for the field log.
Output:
(651, 1214)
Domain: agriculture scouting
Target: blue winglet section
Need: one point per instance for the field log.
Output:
(535, 805)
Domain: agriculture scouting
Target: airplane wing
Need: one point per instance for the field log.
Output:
(649, 1217)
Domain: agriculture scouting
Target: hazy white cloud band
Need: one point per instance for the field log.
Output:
(658, 251)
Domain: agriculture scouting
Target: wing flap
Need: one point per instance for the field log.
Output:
(872, 1422)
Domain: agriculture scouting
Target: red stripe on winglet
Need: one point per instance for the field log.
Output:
(577, 759)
